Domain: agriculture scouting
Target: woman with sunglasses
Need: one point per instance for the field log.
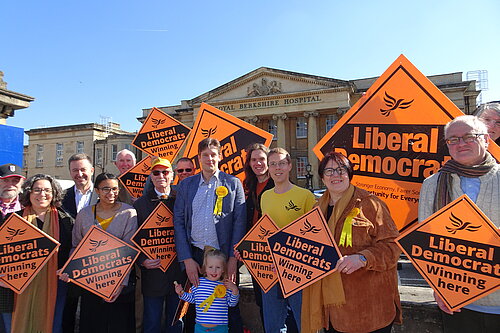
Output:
(362, 295)
(120, 220)
(39, 307)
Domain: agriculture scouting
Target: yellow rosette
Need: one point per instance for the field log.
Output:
(219, 292)
(221, 192)
(346, 235)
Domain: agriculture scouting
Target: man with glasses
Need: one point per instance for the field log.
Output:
(11, 180)
(210, 212)
(184, 168)
(157, 286)
(474, 172)
(284, 203)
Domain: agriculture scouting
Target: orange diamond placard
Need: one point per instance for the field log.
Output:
(457, 250)
(100, 262)
(255, 252)
(161, 135)
(393, 137)
(234, 135)
(24, 251)
(303, 252)
(135, 178)
(155, 238)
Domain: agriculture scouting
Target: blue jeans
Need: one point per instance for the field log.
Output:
(153, 310)
(62, 290)
(276, 308)
(7, 321)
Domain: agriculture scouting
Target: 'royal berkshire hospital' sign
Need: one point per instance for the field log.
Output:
(393, 137)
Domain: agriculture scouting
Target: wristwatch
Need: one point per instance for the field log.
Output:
(362, 258)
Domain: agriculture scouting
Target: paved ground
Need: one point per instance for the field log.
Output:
(420, 313)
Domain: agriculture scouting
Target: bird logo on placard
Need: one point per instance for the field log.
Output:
(157, 122)
(208, 132)
(394, 104)
(96, 244)
(264, 233)
(161, 219)
(308, 227)
(291, 206)
(14, 232)
(458, 225)
(145, 168)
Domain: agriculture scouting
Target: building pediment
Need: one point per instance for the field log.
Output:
(266, 81)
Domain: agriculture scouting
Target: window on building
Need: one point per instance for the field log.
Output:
(39, 156)
(273, 128)
(331, 120)
(128, 146)
(59, 154)
(301, 131)
(80, 147)
(98, 156)
(114, 151)
(301, 167)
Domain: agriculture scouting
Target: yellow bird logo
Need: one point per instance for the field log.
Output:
(394, 104)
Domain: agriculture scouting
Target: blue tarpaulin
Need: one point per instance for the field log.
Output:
(11, 145)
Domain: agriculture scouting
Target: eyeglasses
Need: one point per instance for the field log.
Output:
(494, 122)
(38, 190)
(184, 170)
(281, 164)
(157, 172)
(106, 190)
(331, 171)
(467, 138)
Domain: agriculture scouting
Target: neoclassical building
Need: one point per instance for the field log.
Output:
(298, 109)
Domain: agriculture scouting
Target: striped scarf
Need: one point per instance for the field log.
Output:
(443, 195)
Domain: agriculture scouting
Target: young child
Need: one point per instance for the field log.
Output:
(212, 296)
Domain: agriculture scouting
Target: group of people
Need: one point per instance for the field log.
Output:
(212, 211)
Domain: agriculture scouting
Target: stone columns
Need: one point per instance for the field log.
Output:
(312, 140)
(280, 118)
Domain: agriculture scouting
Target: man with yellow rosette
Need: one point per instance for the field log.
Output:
(210, 212)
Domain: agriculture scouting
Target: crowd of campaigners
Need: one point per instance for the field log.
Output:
(212, 211)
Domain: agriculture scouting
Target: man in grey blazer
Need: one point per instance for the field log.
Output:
(199, 222)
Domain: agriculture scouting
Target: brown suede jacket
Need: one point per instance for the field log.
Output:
(372, 297)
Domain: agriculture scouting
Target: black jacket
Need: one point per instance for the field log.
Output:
(156, 283)
(253, 203)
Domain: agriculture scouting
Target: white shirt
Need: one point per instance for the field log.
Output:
(82, 200)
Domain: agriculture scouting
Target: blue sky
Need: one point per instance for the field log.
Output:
(86, 59)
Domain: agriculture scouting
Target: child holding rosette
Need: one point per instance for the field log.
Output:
(213, 296)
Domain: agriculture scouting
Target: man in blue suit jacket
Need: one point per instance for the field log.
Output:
(197, 221)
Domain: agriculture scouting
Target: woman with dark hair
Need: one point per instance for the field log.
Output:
(257, 180)
(39, 307)
(120, 220)
(362, 295)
